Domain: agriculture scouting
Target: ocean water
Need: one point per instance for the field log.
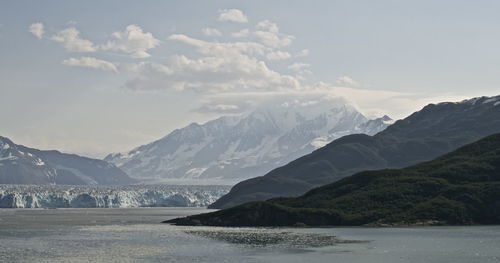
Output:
(136, 235)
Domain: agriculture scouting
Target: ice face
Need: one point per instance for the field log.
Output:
(63, 196)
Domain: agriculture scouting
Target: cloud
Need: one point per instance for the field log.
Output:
(219, 66)
(70, 38)
(37, 29)
(301, 69)
(278, 55)
(132, 41)
(298, 67)
(237, 103)
(242, 33)
(233, 15)
(346, 81)
(269, 35)
(91, 63)
(219, 108)
(211, 32)
(222, 48)
(395, 104)
(302, 53)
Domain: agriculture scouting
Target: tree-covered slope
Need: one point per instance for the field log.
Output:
(424, 135)
(461, 187)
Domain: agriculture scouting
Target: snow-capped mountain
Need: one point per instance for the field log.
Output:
(23, 165)
(233, 148)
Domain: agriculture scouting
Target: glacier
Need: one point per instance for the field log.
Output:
(67, 196)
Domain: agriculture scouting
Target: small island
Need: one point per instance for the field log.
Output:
(458, 188)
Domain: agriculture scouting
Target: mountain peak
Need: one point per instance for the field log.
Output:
(232, 148)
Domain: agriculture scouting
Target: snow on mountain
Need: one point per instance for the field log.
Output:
(233, 148)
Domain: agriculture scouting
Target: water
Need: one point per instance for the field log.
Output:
(135, 235)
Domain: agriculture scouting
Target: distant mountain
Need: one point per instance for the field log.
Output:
(462, 187)
(233, 148)
(23, 165)
(426, 134)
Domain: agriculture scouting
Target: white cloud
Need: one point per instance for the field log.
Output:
(298, 67)
(346, 81)
(37, 29)
(219, 66)
(222, 48)
(132, 41)
(269, 34)
(278, 55)
(233, 15)
(91, 63)
(301, 69)
(211, 32)
(239, 102)
(219, 108)
(225, 107)
(303, 53)
(242, 33)
(70, 38)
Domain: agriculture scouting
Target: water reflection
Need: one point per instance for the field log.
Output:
(266, 237)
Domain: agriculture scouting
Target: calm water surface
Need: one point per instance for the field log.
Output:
(135, 235)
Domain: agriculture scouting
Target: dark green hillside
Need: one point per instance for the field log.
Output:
(422, 136)
(461, 187)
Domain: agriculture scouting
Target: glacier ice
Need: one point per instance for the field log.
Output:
(65, 196)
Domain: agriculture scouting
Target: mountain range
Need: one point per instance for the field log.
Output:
(422, 136)
(230, 149)
(23, 165)
(461, 187)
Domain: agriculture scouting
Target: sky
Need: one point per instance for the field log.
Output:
(95, 77)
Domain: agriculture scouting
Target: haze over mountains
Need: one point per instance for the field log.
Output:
(23, 165)
(426, 134)
(230, 149)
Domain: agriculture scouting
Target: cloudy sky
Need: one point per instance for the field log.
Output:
(94, 77)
